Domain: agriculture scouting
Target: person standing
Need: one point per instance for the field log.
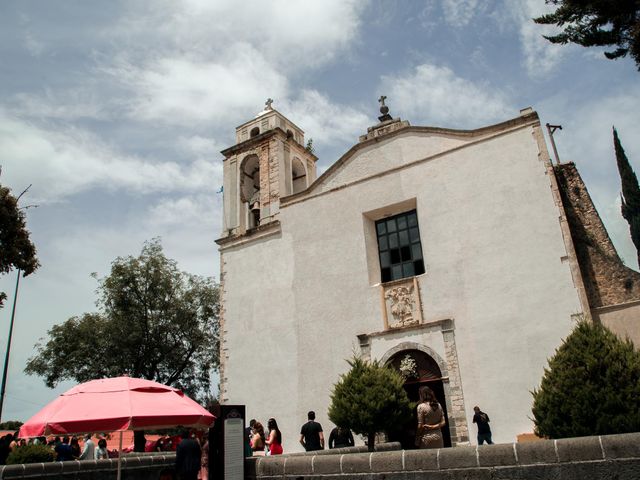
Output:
(101, 452)
(274, 442)
(89, 449)
(430, 420)
(75, 447)
(63, 450)
(311, 436)
(484, 430)
(188, 458)
(258, 439)
(340, 438)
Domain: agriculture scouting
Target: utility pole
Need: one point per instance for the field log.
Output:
(551, 129)
(6, 358)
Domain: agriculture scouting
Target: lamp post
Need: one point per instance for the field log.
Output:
(6, 358)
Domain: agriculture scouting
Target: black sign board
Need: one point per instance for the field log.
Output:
(227, 443)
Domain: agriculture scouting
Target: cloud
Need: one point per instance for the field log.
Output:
(290, 35)
(184, 91)
(77, 103)
(328, 123)
(540, 55)
(61, 162)
(458, 13)
(437, 96)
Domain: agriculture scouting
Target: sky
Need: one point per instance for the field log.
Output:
(115, 113)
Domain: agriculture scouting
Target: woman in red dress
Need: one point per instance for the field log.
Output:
(274, 442)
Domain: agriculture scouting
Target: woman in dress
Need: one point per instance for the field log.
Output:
(274, 442)
(430, 420)
(258, 439)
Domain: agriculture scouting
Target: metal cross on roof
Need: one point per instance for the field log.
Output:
(382, 99)
(268, 103)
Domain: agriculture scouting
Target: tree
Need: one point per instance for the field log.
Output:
(16, 248)
(630, 193)
(154, 322)
(370, 398)
(10, 425)
(601, 23)
(591, 387)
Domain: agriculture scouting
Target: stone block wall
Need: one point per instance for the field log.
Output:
(607, 280)
(147, 467)
(596, 458)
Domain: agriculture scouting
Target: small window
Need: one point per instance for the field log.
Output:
(399, 247)
(255, 131)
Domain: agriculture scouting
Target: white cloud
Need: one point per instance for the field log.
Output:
(327, 123)
(459, 13)
(184, 91)
(291, 35)
(437, 96)
(540, 55)
(63, 162)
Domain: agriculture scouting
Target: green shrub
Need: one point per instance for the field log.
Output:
(591, 387)
(370, 398)
(31, 454)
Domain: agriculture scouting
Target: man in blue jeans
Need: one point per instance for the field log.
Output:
(484, 430)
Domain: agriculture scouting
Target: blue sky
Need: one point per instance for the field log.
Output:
(116, 113)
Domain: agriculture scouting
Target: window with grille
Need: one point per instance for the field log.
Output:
(399, 246)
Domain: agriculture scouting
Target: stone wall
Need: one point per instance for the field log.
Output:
(604, 457)
(145, 467)
(607, 280)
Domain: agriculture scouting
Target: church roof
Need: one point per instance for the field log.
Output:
(378, 136)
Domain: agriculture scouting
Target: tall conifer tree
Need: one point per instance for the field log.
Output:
(630, 193)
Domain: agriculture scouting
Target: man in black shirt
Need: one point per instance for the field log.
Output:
(311, 436)
(484, 430)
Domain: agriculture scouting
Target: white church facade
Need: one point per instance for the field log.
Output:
(450, 247)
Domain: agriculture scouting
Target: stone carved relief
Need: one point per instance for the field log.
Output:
(402, 305)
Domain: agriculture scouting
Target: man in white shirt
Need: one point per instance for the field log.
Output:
(88, 451)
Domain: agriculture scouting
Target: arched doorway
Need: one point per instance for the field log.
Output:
(419, 369)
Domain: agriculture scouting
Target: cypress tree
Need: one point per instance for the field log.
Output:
(630, 193)
(370, 398)
(591, 386)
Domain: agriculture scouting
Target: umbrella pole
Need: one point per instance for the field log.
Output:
(119, 455)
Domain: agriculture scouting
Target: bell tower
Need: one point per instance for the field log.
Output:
(269, 161)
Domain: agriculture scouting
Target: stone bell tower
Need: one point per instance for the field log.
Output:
(269, 161)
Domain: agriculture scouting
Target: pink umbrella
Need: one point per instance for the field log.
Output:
(116, 404)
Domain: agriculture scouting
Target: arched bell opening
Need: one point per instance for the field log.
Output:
(250, 190)
(418, 369)
(298, 176)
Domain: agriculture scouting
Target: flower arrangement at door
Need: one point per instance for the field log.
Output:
(408, 367)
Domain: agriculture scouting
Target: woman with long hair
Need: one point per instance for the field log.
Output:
(430, 420)
(258, 439)
(274, 442)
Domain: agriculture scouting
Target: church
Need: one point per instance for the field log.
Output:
(460, 257)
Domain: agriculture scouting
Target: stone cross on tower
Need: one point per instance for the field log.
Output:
(384, 110)
(268, 104)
